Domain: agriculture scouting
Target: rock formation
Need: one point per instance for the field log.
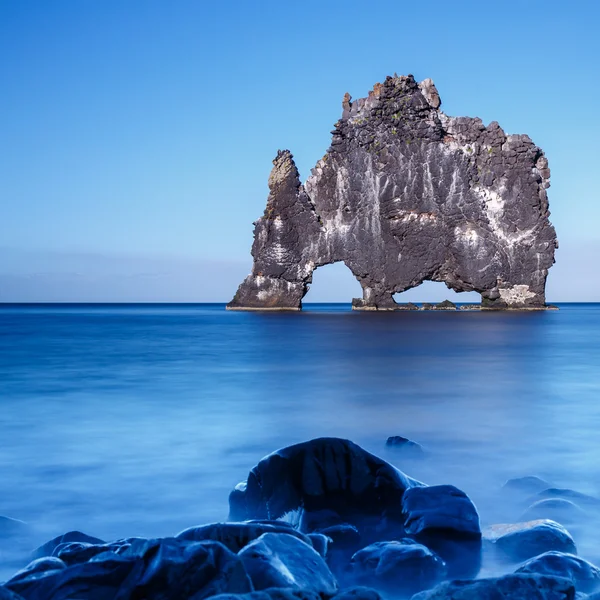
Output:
(406, 194)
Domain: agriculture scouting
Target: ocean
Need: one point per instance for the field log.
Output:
(138, 420)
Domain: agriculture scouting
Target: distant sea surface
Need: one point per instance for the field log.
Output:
(137, 420)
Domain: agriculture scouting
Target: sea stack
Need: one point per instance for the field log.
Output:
(406, 194)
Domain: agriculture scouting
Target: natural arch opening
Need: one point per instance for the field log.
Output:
(332, 283)
(434, 292)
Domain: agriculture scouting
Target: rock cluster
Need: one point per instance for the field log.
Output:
(406, 194)
(323, 520)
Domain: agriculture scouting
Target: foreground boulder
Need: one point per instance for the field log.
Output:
(272, 594)
(164, 569)
(399, 567)
(48, 548)
(520, 541)
(584, 575)
(39, 568)
(444, 519)
(237, 535)
(509, 587)
(326, 474)
(406, 194)
(277, 560)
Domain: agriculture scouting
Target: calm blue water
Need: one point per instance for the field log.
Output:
(138, 419)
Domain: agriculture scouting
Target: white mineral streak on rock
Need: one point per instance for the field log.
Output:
(517, 294)
(494, 208)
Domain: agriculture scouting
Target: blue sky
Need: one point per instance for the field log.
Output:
(136, 137)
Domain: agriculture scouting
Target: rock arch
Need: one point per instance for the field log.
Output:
(407, 194)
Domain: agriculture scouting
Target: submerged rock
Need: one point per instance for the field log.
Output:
(584, 575)
(408, 447)
(509, 587)
(406, 194)
(526, 485)
(398, 567)
(12, 527)
(444, 519)
(556, 509)
(327, 474)
(590, 502)
(278, 560)
(520, 541)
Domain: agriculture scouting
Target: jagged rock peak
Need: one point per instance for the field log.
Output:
(406, 194)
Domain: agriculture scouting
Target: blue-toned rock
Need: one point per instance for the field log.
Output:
(39, 568)
(557, 509)
(6, 594)
(443, 518)
(530, 484)
(277, 560)
(48, 548)
(398, 567)
(509, 587)
(405, 446)
(584, 500)
(521, 541)
(165, 569)
(358, 593)
(328, 474)
(273, 594)
(584, 575)
(237, 535)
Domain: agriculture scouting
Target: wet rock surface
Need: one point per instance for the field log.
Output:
(584, 575)
(319, 519)
(331, 478)
(521, 541)
(406, 194)
(398, 568)
(280, 560)
(509, 587)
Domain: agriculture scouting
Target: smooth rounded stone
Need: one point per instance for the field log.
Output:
(526, 485)
(320, 543)
(273, 594)
(12, 527)
(72, 536)
(281, 560)
(237, 535)
(165, 569)
(509, 587)
(324, 474)
(521, 541)
(404, 445)
(584, 575)
(39, 568)
(590, 502)
(557, 509)
(79, 552)
(398, 567)
(444, 519)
